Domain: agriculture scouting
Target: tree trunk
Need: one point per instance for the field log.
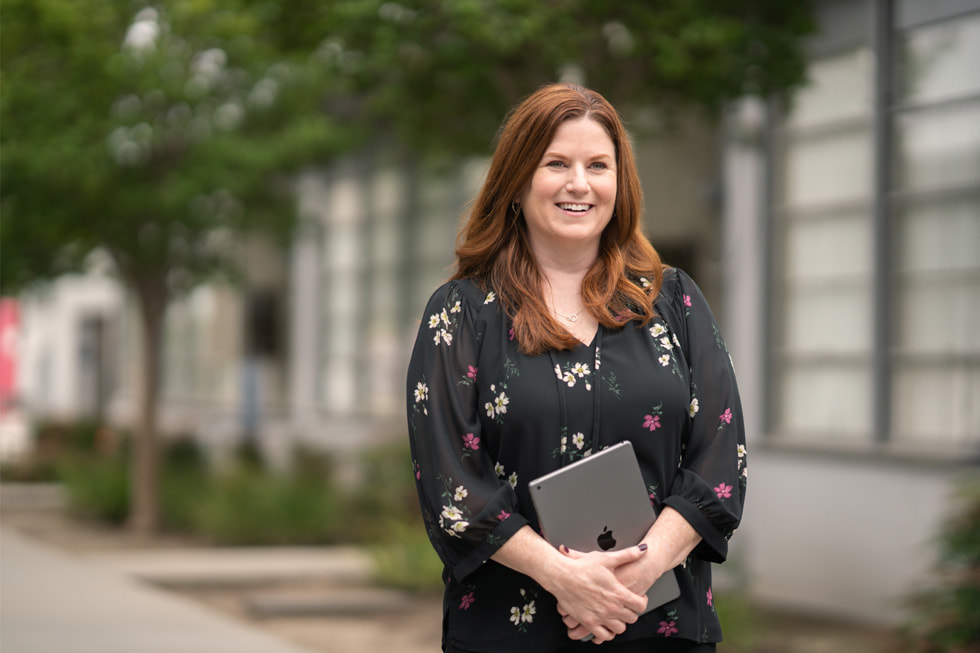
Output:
(144, 481)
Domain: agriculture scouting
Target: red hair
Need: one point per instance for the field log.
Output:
(493, 247)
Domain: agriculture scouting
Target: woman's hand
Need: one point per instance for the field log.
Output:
(593, 599)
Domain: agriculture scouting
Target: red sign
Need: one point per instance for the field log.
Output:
(9, 330)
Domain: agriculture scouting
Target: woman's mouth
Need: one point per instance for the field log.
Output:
(574, 207)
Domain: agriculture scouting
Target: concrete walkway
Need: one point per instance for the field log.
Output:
(54, 602)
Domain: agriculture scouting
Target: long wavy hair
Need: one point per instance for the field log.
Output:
(493, 247)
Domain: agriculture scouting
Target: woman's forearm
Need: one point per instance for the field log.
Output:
(669, 542)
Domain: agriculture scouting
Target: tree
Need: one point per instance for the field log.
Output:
(156, 135)
(442, 74)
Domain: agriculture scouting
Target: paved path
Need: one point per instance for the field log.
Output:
(56, 602)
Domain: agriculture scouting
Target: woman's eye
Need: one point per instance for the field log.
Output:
(556, 164)
(599, 165)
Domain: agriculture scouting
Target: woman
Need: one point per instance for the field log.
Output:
(560, 334)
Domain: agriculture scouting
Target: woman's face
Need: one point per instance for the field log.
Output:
(572, 193)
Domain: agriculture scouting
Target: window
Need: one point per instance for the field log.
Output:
(852, 171)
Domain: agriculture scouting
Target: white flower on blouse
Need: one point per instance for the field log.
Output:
(515, 615)
(513, 480)
(500, 403)
(452, 513)
(499, 469)
(645, 282)
(527, 614)
(676, 341)
(461, 493)
(490, 298)
(665, 342)
(658, 330)
(694, 407)
(433, 321)
(581, 369)
(664, 360)
(421, 392)
(741, 451)
(578, 440)
(457, 528)
(456, 308)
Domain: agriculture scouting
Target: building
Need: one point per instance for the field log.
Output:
(852, 272)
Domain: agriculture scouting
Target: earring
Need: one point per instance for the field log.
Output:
(515, 207)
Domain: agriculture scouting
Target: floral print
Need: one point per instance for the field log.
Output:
(572, 373)
(484, 419)
(523, 615)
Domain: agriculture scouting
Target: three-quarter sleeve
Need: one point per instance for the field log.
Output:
(469, 512)
(709, 488)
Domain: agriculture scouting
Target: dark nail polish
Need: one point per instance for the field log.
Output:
(643, 546)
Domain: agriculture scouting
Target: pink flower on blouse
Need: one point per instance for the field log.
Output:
(471, 373)
(503, 515)
(471, 442)
(418, 472)
(466, 602)
(510, 333)
(687, 300)
(651, 422)
(726, 417)
(723, 491)
(667, 628)
(709, 596)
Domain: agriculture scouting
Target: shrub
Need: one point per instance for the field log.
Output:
(407, 560)
(97, 487)
(250, 506)
(947, 617)
(387, 498)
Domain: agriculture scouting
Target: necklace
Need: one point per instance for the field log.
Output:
(571, 318)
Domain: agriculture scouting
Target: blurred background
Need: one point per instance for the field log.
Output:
(221, 221)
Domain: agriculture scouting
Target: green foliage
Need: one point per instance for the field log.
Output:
(386, 501)
(97, 487)
(739, 623)
(947, 617)
(406, 560)
(441, 75)
(249, 506)
(149, 133)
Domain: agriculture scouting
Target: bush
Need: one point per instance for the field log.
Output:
(387, 500)
(97, 487)
(407, 560)
(947, 617)
(251, 506)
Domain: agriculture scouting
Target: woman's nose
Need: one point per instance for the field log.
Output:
(577, 182)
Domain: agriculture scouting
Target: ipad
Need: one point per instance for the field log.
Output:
(600, 503)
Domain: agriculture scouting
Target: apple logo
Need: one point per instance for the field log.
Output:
(606, 540)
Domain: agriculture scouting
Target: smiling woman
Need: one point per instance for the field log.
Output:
(560, 334)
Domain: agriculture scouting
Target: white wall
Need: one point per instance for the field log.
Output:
(51, 377)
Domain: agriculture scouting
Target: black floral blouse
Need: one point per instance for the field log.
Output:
(484, 419)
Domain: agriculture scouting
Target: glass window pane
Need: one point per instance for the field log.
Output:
(830, 168)
(937, 404)
(939, 148)
(939, 317)
(832, 319)
(825, 401)
(840, 89)
(939, 61)
(831, 248)
(940, 235)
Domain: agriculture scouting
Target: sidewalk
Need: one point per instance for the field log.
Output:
(52, 602)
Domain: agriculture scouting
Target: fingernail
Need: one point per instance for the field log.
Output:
(643, 546)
